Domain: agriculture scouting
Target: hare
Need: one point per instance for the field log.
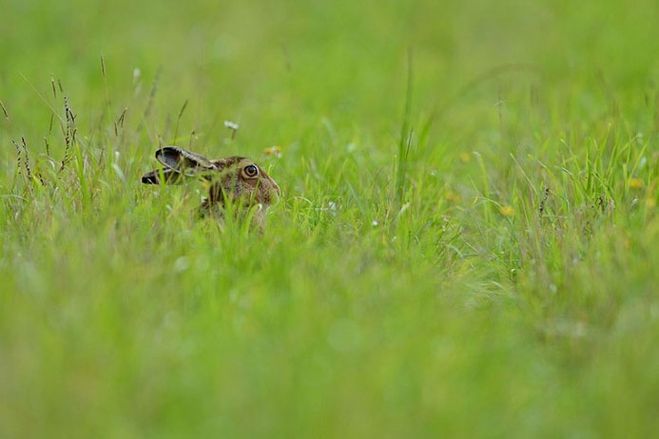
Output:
(237, 180)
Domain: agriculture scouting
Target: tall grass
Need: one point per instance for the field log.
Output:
(481, 265)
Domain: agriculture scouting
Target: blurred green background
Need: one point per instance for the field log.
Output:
(511, 292)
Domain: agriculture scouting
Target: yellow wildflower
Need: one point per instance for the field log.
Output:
(273, 151)
(506, 211)
(635, 183)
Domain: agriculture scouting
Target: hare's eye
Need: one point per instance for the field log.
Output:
(251, 170)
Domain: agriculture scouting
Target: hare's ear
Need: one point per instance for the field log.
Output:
(179, 159)
(167, 175)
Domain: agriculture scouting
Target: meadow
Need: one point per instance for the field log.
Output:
(467, 244)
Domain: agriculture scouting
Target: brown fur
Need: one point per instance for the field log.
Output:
(235, 178)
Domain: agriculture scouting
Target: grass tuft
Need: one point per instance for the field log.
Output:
(496, 277)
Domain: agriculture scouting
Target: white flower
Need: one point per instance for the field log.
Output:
(231, 125)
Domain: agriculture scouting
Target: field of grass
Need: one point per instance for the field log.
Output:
(467, 244)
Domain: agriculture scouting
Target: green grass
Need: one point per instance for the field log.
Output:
(467, 244)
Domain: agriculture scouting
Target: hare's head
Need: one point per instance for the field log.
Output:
(243, 181)
(237, 179)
